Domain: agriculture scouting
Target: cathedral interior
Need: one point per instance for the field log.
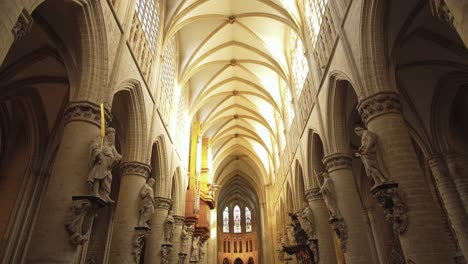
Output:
(234, 131)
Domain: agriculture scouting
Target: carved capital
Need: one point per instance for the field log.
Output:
(179, 219)
(379, 104)
(86, 112)
(435, 161)
(22, 25)
(313, 194)
(338, 161)
(162, 202)
(136, 168)
(391, 201)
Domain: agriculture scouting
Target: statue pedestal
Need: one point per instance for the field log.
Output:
(141, 233)
(302, 252)
(166, 249)
(182, 257)
(339, 226)
(394, 207)
(79, 220)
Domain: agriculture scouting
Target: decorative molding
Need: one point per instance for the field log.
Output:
(86, 111)
(162, 202)
(338, 161)
(313, 194)
(179, 219)
(141, 233)
(136, 168)
(22, 25)
(379, 104)
(341, 230)
(391, 201)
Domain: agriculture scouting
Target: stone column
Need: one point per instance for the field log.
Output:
(452, 203)
(126, 216)
(188, 246)
(153, 253)
(426, 238)
(176, 238)
(322, 228)
(357, 245)
(461, 181)
(49, 240)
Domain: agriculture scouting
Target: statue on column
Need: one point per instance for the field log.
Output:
(194, 256)
(146, 203)
(368, 154)
(184, 237)
(102, 161)
(329, 195)
(168, 227)
(202, 250)
(306, 218)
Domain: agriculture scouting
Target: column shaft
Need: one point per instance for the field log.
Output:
(347, 197)
(156, 237)
(461, 181)
(50, 241)
(127, 212)
(322, 228)
(426, 239)
(176, 238)
(451, 200)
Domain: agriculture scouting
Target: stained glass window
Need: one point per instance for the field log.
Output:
(237, 219)
(248, 220)
(226, 220)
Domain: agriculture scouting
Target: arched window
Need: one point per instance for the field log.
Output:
(226, 220)
(299, 66)
(237, 219)
(248, 220)
(148, 14)
(314, 12)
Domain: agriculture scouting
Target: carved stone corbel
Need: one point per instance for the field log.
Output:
(395, 209)
(166, 250)
(141, 233)
(80, 217)
(341, 230)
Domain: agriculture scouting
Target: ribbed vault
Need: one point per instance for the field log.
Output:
(235, 66)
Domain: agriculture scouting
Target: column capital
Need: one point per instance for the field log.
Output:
(86, 111)
(379, 104)
(313, 194)
(136, 168)
(179, 219)
(338, 161)
(435, 160)
(162, 202)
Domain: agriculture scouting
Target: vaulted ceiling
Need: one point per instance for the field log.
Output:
(233, 59)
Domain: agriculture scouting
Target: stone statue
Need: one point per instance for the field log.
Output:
(184, 237)
(368, 154)
(307, 220)
(194, 256)
(290, 233)
(101, 162)
(202, 250)
(168, 227)
(328, 192)
(75, 219)
(146, 203)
